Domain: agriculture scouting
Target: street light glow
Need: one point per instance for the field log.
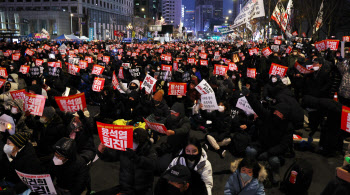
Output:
(229, 11)
(226, 18)
(71, 15)
(143, 9)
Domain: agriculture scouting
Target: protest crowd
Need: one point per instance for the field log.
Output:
(248, 98)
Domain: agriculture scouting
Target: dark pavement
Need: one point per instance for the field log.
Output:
(105, 175)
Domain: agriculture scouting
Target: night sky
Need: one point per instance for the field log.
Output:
(227, 5)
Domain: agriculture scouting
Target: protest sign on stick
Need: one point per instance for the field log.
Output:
(209, 102)
(71, 103)
(115, 136)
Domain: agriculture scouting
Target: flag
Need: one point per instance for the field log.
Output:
(278, 12)
(252, 9)
(319, 18)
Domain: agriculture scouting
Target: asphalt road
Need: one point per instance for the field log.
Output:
(105, 175)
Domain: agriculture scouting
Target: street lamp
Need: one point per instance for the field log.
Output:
(226, 18)
(71, 23)
(230, 11)
(143, 9)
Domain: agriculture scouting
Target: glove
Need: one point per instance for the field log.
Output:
(263, 156)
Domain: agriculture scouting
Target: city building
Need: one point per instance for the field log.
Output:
(171, 12)
(96, 19)
(189, 20)
(203, 16)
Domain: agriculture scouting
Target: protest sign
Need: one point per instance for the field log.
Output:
(89, 59)
(289, 49)
(332, 44)
(167, 67)
(253, 51)
(29, 52)
(39, 184)
(277, 42)
(115, 81)
(302, 69)
(345, 119)
(191, 60)
(19, 94)
(209, 102)
(177, 89)
(295, 33)
(98, 84)
(126, 65)
(16, 56)
(83, 64)
(266, 52)
(148, 84)
(121, 73)
(24, 69)
(232, 66)
(34, 103)
(297, 137)
(106, 59)
(46, 47)
(39, 62)
(346, 38)
(160, 128)
(275, 48)
(277, 69)
(204, 88)
(2, 82)
(176, 66)
(320, 46)
(303, 34)
(243, 104)
(54, 71)
(203, 56)
(251, 72)
(220, 69)
(71, 103)
(167, 58)
(73, 69)
(204, 62)
(115, 136)
(97, 69)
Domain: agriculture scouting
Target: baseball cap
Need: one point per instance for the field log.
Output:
(178, 173)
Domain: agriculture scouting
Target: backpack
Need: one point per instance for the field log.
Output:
(298, 177)
(240, 141)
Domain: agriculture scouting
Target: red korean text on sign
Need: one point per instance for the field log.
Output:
(115, 136)
(98, 84)
(277, 69)
(24, 69)
(71, 103)
(19, 94)
(345, 119)
(34, 103)
(251, 72)
(97, 69)
(266, 52)
(220, 69)
(177, 89)
(160, 128)
(167, 67)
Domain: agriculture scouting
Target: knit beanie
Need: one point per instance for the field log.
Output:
(158, 96)
(49, 112)
(19, 139)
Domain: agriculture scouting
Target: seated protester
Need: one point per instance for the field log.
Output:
(48, 129)
(160, 108)
(175, 181)
(134, 85)
(275, 135)
(68, 168)
(80, 130)
(219, 135)
(341, 184)
(195, 158)
(20, 156)
(136, 165)
(272, 88)
(6, 92)
(247, 178)
(178, 126)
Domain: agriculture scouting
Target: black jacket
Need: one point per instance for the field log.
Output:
(136, 170)
(318, 83)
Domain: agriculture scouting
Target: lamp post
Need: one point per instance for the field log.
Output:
(71, 23)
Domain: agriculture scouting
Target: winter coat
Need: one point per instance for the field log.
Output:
(275, 136)
(162, 111)
(203, 167)
(73, 175)
(318, 83)
(234, 183)
(344, 89)
(136, 174)
(25, 161)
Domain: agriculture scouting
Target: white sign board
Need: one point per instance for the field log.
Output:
(209, 102)
(252, 9)
(148, 84)
(204, 88)
(41, 184)
(243, 104)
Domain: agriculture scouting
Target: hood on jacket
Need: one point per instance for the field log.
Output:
(262, 173)
(15, 77)
(201, 163)
(137, 82)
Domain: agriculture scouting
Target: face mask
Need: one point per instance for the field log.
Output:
(57, 161)
(14, 110)
(245, 177)
(134, 145)
(274, 79)
(8, 149)
(316, 68)
(42, 120)
(133, 87)
(221, 108)
(158, 69)
(233, 77)
(191, 157)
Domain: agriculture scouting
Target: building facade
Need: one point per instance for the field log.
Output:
(171, 12)
(189, 20)
(203, 15)
(98, 17)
